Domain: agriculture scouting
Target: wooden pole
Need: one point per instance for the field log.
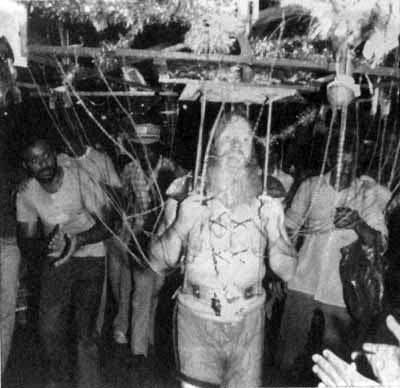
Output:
(38, 51)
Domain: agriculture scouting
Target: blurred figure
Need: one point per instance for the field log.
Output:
(334, 213)
(145, 181)
(9, 253)
(99, 166)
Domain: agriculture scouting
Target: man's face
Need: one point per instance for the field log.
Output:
(148, 153)
(41, 162)
(347, 164)
(234, 146)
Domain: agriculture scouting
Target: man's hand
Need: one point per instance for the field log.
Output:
(335, 372)
(70, 248)
(277, 290)
(190, 211)
(346, 218)
(385, 359)
(385, 362)
(57, 241)
(393, 326)
(269, 206)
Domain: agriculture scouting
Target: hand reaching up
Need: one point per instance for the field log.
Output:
(335, 372)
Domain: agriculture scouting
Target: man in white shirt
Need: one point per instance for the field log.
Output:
(333, 213)
(100, 168)
(71, 209)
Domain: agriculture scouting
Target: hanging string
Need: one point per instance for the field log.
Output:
(343, 122)
(267, 141)
(147, 161)
(124, 217)
(82, 128)
(260, 113)
(357, 133)
(61, 132)
(248, 111)
(396, 159)
(380, 162)
(52, 118)
(203, 102)
(296, 232)
(208, 149)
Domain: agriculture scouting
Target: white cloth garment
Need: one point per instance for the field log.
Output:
(314, 207)
(14, 20)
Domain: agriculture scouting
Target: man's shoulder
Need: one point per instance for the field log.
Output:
(79, 175)
(131, 168)
(27, 186)
(98, 157)
(65, 160)
(312, 182)
(372, 187)
(133, 163)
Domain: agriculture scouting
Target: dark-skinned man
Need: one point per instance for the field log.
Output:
(61, 215)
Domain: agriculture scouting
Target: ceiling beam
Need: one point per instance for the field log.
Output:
(93, 52)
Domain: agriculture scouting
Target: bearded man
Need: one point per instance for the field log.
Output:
(220, 239)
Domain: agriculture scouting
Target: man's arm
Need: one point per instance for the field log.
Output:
(112, 178)
(68, 246)
(166, 246)
(98, 232)
(165, 249)
(295, 215)
(96, 204)
(368, 223)
(29, 241)
(282, 255)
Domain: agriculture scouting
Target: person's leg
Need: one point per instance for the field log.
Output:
(103, 303)
(245, 351)
(199, 349)
(9, 262)
(158, 284)
(338, 329)
(143, 310)
(88, 281)
(121, 283)
(55, 302)
(296, 321)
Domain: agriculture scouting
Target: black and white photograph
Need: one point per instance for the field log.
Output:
(199, 193)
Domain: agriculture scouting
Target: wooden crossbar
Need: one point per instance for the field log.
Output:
(38, 51)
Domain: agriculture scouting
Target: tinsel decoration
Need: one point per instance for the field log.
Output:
(101, 13)
(351, 22)
(214, 24)
(296, 47)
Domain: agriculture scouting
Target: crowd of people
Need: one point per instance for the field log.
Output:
(92, 224)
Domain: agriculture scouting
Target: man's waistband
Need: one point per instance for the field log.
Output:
(208, 293)
(227, 304)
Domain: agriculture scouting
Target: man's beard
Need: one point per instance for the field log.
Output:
(46, 175)
(234, 187)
